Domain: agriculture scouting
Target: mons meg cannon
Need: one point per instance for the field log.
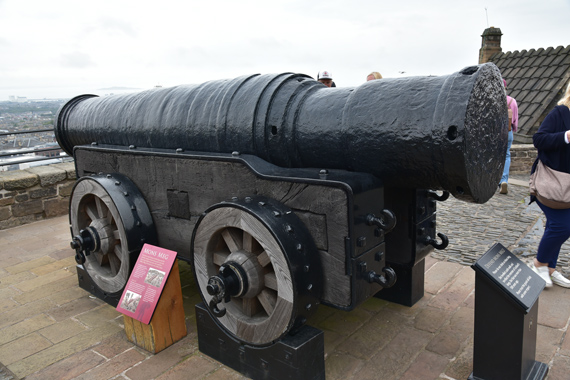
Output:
(283, 194)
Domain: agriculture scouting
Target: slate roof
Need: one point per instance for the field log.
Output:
(536, 79)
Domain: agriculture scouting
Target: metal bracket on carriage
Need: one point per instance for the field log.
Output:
(436, 196)
(386, 221)
(84, 244)
(444, 241)
(386, 280)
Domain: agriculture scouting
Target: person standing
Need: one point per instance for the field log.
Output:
(325, 77)
(373, 76)
(513, 110)
(552, 143)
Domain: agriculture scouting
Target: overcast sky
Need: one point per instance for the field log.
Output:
(61, 48)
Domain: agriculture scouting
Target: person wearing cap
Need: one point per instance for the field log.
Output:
(513, 110)
(325, 77)
(373, 75)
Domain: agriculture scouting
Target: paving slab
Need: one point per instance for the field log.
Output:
(61, 331)
(24, 328)
(70, 367)
(113, 366)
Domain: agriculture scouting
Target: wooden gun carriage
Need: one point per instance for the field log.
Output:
(283, 194)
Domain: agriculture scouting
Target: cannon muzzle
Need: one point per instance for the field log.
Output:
(444, 132)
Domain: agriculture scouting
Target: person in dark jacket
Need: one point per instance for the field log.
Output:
(552, 142)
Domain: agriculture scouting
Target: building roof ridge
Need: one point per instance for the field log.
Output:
(546, 50)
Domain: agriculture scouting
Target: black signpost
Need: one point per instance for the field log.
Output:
(506, 318)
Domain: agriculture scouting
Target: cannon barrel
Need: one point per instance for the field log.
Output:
(437, 132)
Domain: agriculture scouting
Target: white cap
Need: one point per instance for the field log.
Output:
(324, 75)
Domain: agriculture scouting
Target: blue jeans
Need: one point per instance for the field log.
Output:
(505, 177)
(556, 232)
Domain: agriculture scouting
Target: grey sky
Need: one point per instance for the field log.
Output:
(63, 48)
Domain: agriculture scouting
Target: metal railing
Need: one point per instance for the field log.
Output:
(15, 157)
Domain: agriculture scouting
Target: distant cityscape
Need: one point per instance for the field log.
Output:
(17, 99)
(18, 116)
(19, 148)
(24, 99)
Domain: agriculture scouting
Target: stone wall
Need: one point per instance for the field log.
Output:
(34, 194)
(522, 158)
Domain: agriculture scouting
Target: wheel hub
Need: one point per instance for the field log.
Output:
(103, 230)
(84, 243)
(241, 275)
(231, 281)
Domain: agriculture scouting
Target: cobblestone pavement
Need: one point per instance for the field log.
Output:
(507, 219)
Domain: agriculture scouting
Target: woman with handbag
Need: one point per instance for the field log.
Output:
(552, 142)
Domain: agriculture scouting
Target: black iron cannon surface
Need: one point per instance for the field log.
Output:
(421, 132)
(283, 182)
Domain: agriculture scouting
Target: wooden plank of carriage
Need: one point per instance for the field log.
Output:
(167, 325)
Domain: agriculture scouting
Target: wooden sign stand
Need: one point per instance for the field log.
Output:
(168, 323)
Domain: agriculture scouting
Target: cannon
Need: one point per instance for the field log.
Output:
(281, 193)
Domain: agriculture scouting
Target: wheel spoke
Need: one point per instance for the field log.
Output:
(247, 241)
(101, 208)
(101, 258)
(271, 281)
(232, 239)
(91, 211)
(263, 259)
(119, 251)
(220, 258)
(114, 263)
(251, 306)
(267, 298)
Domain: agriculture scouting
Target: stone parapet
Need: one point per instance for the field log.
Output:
(522, 158)
(34, 194)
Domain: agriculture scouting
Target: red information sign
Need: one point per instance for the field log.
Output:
(146, 282)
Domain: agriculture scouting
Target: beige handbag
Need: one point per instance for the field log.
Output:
(551, 187)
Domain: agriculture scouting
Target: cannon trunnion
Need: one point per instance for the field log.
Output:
(282, 194)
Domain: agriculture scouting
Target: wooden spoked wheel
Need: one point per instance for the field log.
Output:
(92, 208)
(110, 221)
(233, 236)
